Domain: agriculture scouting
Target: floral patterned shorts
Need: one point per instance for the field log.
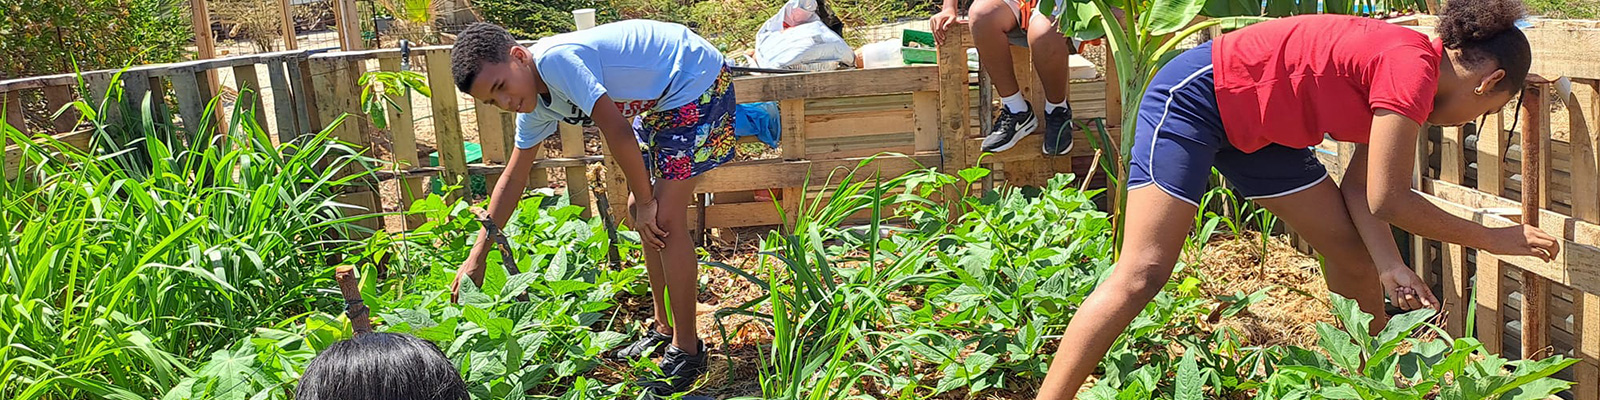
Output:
(687, 141)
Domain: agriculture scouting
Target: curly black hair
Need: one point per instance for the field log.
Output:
(481, 43)
(381, 366)
(1486, 30)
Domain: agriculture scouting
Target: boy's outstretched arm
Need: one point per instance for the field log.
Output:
(502, 201)
(619, 137)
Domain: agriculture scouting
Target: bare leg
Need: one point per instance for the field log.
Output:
(658, 285)
(1318, 213)
(679, 262)
(991, 19)
(1157, 223)
(1050, 51)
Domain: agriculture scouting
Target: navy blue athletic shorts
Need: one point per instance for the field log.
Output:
(1180, 137)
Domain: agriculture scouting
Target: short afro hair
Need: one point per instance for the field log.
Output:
(1486, 30)
(481, 43)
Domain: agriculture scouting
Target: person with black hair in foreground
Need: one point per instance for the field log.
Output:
(1253, 101)
(381, 366)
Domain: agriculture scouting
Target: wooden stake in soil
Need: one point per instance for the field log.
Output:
(354, 308)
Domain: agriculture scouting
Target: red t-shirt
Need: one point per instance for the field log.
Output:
(1289, 81)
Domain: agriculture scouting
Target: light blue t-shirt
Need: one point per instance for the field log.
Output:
(643, 65)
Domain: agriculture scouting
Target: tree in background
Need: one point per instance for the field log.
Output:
(51, 37)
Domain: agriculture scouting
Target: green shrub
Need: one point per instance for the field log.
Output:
(55, 36)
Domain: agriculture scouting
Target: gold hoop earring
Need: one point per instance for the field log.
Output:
(1479, 92)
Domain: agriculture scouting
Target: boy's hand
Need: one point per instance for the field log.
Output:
(644, 220)
(1524, 240)
(1405, 289)
(471, 269)
(940, 22)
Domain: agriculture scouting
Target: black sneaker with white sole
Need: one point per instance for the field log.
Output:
(650, 344)
(1009, 128)
(679, 370)
(1058, 132)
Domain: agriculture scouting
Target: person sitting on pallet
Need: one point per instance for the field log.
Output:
(1253, 101)
(677, 92)
(996, 25)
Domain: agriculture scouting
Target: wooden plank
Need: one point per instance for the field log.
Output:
(1535, 289)
(1456, 292)
(305, 95)
(1453, 160)
(282, 102)
(1556, 51)
(205, 44)
(496, 149)
(738, 215)
(191, 107)
(774, 173)
(954, 105)
(403, 138)
(882, 102)
(290, 40)
(1419, 245)
(925, 106)
(796, 133)
(78, 139)
(858, 82)
(1588, 347)
(1491, 146)
(16, 116)
(99, 91)
(1584, 142)
(577, 177)
(245, 79)
(839, 125)
(348, 25)
(1578, 265)
(1490, 315)
(860, 146)
(974, 147)
(446, 121)
(323, 79)
(55, 98)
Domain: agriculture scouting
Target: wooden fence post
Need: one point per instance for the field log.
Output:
(1535, 289)
(1586, 172)
(447, 120)
(403, 133)
(792, 114)
(954, 103)
(1490, 312)
(578, 176)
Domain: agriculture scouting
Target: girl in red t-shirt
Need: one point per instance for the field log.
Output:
(1250, 103)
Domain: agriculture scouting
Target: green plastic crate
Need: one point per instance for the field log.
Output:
(477, 183)
(914, 55)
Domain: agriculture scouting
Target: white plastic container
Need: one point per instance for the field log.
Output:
(883, 54)
(583, 17)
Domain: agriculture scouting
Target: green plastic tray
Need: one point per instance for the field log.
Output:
(914, 55)
(477, 184)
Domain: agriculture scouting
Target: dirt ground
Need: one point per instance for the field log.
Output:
(1230, 267)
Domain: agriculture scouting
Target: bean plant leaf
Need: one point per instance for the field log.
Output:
(1190, 381)
(1337, 343)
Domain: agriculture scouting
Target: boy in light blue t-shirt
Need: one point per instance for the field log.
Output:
(663, 100)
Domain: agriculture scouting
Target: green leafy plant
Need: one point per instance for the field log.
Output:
(120, 270)
(380, 88)
(1359, 365)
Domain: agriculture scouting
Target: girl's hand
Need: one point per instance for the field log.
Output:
(644, 220)
(1524, 240)
(1405, 289)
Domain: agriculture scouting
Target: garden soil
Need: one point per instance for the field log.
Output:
(1297, 299)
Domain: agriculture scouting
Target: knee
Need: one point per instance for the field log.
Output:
(1140, 279)
(990, 16)
(671, 218)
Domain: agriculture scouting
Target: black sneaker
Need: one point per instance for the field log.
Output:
(649, 345)
(1009, 128)
(1058, 132)
(679, 370)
